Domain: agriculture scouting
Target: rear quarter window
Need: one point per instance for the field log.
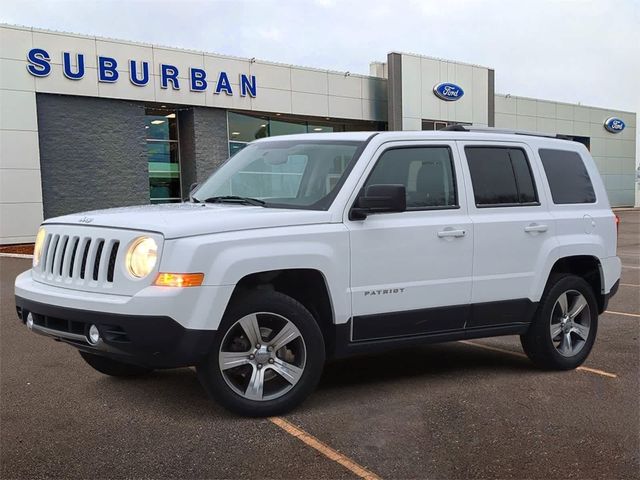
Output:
(568, 178)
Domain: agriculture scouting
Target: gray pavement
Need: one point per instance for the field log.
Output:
(444, 411)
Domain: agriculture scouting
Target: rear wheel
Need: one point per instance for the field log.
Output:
(112, 367)
(564, 329)
(267, 358)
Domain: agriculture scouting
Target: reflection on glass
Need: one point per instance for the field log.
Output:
(163, 155)
(245, 128)
(293, 173)
(320, 128)
(278, 127)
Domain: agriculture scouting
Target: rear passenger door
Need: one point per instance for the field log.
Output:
(513, 230)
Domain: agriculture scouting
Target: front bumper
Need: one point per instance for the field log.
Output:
(151, 341)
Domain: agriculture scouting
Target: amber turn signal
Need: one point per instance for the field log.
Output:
(179, 279)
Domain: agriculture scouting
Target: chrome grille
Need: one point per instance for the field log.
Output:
(75, 257)
(90, 258)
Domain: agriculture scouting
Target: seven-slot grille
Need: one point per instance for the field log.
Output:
(80, 258)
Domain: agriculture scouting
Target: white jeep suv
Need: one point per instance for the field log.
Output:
(307, 247)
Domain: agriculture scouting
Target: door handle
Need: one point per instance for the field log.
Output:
(451, 233)
(535, 227)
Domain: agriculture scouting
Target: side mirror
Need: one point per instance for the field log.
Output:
(193, 186)
(380, 199)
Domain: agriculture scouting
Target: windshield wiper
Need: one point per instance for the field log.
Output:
(235, 199)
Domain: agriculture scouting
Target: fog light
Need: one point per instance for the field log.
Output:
(94, 335)
(30, 321)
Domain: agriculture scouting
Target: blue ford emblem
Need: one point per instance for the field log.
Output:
(448, 91)
(614, 124)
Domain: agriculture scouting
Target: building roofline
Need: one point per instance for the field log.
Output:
(509, 95)
(185, 50)
(411, 54)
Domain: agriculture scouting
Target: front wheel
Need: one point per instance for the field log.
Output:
(565, 326)
(267, 358)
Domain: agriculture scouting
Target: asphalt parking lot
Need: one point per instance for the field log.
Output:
(459, 410)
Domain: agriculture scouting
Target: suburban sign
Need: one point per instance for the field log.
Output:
(448, 91)
(109, 71)
(614, 124)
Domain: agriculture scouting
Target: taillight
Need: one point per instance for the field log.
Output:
(617, 222)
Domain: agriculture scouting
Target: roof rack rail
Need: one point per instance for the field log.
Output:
(471, 128)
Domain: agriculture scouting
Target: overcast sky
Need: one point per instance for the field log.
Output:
(585, 51)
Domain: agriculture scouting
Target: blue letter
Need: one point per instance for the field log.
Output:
(169, 72)
(107, 69)
(223, 84)
(247, 86)
(133, 73)
(39, 65)
(66, 66)
(198, 82)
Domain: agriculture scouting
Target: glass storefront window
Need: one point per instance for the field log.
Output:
(279, 127)
(247, 128)
(163, 156)
(244, 128)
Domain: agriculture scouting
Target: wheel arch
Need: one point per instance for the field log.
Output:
(308, 286)
(587, 267)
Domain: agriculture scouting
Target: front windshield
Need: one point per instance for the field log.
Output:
(287, 174)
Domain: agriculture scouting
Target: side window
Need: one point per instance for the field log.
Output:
(426, 172)
(568, 178)
(501, 177)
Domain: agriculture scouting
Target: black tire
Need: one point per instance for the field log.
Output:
(537, 342)
(112, 367)
(210, 373)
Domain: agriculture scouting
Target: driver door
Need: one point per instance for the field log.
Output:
(411, 271)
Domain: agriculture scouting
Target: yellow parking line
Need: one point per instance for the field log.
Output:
(518, 354)
(629, 285)
(324, 449)
(622, 313)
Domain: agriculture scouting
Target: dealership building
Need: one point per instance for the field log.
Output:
(89, 122)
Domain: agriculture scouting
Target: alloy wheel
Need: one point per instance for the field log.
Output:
(570, 323)
(262, 356)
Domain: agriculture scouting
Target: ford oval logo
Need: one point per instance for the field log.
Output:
(448, 91)
(614, 124)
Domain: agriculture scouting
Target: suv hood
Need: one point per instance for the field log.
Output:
(186, 219)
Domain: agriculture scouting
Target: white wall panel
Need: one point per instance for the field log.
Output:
(505, 104)
(430, 73)
(19, 149)
(56, 43)
(15, 42)
(214, 64)
(545, 109)
(344, 86)
(344, 107)
(123, 52)
(179, 59)
(309, 81)
(19, 222)
(14, 75)
(310, 104)
(56, 82)
(564, 111)
(480, 92)
(272, 100)
(18, 110)
(272, 76)
(525, 106)
(20, 186)
(411, 87)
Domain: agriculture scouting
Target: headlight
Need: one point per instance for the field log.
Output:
(37, 249)
(142, 256)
